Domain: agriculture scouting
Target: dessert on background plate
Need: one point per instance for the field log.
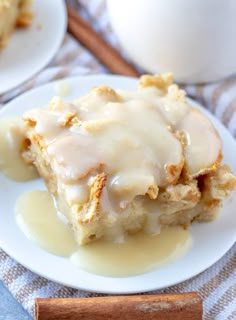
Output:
(119, 161)
(13, 14)
(34, 46)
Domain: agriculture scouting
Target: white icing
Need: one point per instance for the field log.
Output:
(129, 135)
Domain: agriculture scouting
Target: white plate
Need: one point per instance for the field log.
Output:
(210, 240)
(30, 49)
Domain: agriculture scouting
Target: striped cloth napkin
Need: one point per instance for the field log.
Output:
(217, 285)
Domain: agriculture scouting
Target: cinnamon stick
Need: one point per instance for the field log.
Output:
(103, 51)
(182, 306)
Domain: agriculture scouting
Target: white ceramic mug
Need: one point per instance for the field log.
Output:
(194, 39)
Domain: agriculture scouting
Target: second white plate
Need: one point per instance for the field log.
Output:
(29, 50)
(210, 240)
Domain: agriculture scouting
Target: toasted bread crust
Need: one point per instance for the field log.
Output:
(91, 210)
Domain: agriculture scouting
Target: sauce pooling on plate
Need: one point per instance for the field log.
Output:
(139, 253)
(37, 218)
(11, 162)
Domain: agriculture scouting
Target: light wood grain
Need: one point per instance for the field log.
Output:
(183, 306)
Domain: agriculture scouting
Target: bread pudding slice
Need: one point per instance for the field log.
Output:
(13, 13)
(119, 161)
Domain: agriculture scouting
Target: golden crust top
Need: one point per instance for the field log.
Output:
(160, 81)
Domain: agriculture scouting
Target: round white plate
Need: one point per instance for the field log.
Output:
(210, 240)
(29, 50)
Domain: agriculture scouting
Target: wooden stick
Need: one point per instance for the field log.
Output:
(183, 306)
(104, 52)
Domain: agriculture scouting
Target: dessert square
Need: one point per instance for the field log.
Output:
(119, 161)
(13, 13)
